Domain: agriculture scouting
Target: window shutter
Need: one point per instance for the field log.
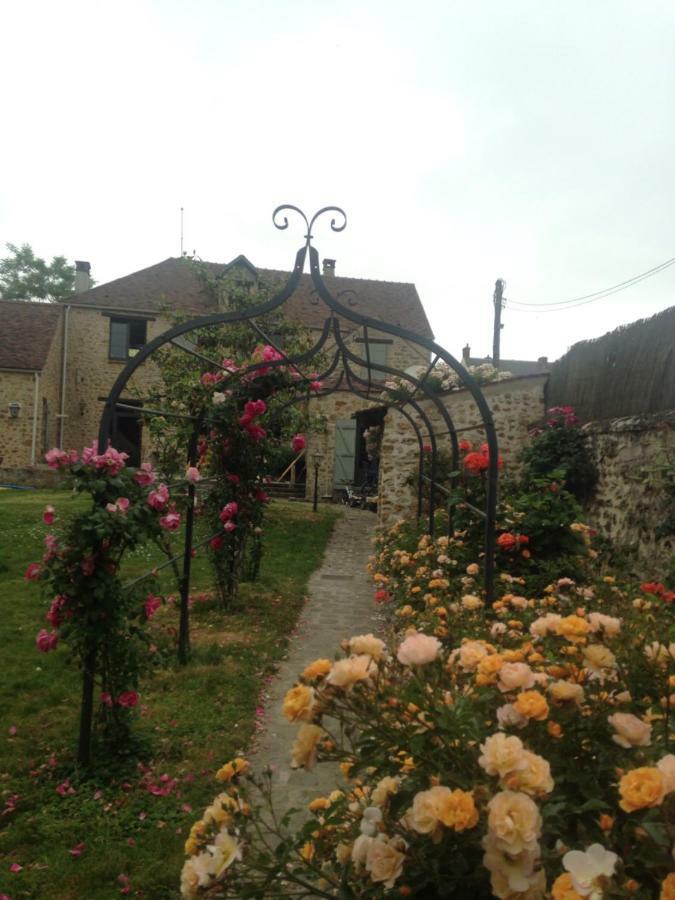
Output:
(345, 449)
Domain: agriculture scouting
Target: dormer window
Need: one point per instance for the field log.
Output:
(127, 336)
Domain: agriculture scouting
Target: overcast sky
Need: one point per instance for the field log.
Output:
(532, 141)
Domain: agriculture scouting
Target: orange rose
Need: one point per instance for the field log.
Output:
(563, 889)
(299, 704)
(574, 628)
(317, 669)
(641, 788)
(532, 705)
(668, 887)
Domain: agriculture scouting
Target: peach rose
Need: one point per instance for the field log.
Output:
(457, 810)
(304, 751)
(566, 690)
(299, 704)
(488, 669)
(597, 658)
(514, 822)
(418, 650)
(470, 654)
(360, 849)
(422, 816)
(563, 889)
(535, 779)
(509, 717)
(544, 624)
(471, 602)
(668, 887)
(630, 731)
(666, 766)
(384, 861)
(317, 669)
(346, 672)
(472, 569)
(513, 877)
(574, 628)
(642, 788)
(515, 676)
(502, 754)
(366, 644)
(600, 622)
(532, 704)
(384, 789)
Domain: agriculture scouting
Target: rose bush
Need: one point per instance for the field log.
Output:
(522, 751)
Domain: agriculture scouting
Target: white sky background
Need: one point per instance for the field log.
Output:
(531, 140)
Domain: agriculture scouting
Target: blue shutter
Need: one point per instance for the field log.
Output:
(345, 449)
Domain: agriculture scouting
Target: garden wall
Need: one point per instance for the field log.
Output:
(516, 404)
(630, 503)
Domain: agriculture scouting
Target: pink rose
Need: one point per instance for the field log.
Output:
(33, 572)
(171, 521)
(145, 475)
(298, 443)
(57, 611)
(151, 605)
(229, 511)
(192, 475)
(261, 496)
(216, 543)
(106, 699)
(233, 479)
(90, 453)
(315, 386)
(48, 515)
(121, 505)
(418, 650)
(112, 460)
(56, 458)
(46, 640)
(158, 498)
(229, 526)
(256, 433)
(127, 699)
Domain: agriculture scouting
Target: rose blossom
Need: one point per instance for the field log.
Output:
(666, 766)
(304, 751)
(514, 822)
(588, 869)
(630, 731)
(470, 655)
(346, 672)
(535, 779)
(145, 475)
(566, 690)
(171, 521)
(33, 572)
(158, 498)
(46, 640)
(502, 754)
(193, 475)
(384, 861)
(509, 717)
(127, 699)
(515, 676)
(366, 644)
(48, 515)
(418, 650)
(151, 605)
(298, 443)
(609, 624)
(299, 704)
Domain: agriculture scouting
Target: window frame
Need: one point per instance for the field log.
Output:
(129, 322)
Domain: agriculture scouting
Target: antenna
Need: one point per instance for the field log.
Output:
(181, 232)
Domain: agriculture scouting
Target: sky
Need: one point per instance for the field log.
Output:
(528, 140)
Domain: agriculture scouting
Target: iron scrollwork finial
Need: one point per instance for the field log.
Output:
(336, 224)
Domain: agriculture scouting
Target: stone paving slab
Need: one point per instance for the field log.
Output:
(340, 605)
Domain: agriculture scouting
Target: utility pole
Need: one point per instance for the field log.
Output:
(498, 301)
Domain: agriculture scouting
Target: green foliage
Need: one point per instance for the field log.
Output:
(25, 276)
(561, 445)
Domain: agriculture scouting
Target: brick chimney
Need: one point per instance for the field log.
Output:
(82, 276)
(466, 354)
(543, 362)
(329, 268)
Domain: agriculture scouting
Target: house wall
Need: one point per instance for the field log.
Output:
(515, 405)
(16, 434)
(630, 502)
(91, 373)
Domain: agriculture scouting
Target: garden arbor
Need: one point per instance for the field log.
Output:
(347, 370)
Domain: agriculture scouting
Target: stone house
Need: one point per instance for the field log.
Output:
(61, 359)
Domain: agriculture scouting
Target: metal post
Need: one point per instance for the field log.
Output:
(497, 298)
(87, 707)
(316, 487)
(184, 624)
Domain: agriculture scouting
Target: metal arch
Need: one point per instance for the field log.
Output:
(337, 309)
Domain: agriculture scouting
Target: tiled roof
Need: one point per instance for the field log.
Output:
(26, 332)
(174, 283)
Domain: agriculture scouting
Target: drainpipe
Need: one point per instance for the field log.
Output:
(64, 363)
(36, 393)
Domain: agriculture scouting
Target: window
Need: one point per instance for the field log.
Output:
(378, 356)
(127, 336)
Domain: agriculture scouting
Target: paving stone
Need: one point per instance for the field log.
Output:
(340, 605)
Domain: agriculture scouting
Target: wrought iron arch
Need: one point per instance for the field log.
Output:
(336, 311)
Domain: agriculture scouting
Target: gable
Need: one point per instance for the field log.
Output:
(26, 333)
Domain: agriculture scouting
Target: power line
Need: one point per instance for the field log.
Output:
(590, 298)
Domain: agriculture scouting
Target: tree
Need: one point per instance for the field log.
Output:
(23, 275)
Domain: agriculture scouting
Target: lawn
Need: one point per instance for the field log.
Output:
(121, 830)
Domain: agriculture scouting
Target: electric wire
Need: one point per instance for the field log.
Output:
(559, 305)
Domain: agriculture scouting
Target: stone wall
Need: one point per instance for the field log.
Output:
(340, 405)
(16, 434)
(515, 404)
(630, 502)
(91, 374)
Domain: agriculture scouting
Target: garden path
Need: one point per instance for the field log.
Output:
(340, 605)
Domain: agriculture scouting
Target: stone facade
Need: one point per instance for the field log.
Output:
(515, 404)
(630, 503)
(18, 448)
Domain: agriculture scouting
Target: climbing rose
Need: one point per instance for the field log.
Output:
(158, 498)
(298, 443)
(145, 475)
(33, 572)
(46, 640)
(192, 475)
(171, 521)
(151, 605)
(229, 511)
(127, 699)
(48, 515)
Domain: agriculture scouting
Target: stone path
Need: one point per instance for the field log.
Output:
(340, 605)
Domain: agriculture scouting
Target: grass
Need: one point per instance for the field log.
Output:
(133, 822)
